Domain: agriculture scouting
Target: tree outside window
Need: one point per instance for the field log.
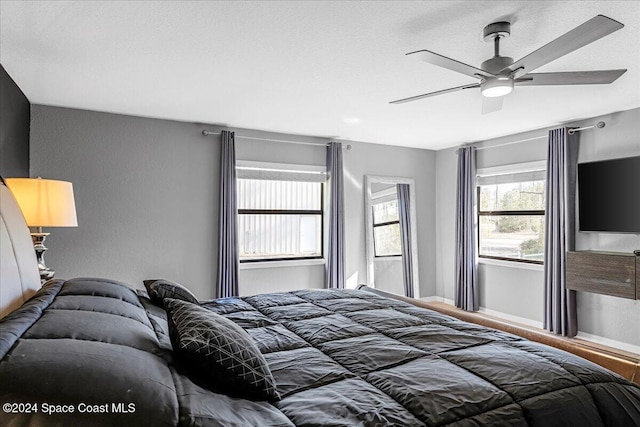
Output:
(511, 217)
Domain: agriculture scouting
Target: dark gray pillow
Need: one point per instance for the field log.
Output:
(220, 350)
(160, 289)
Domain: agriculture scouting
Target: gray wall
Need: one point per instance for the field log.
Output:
(517, 291)
(389, 275)
(146, 196)
(499, 285)
(360, 160)
(372, 159)
(599, 314)
(15, 113)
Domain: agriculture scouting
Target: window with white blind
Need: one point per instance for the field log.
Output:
(511, 211)
(280, 211)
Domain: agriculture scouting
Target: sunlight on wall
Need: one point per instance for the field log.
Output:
(348, 177)
(352, 281)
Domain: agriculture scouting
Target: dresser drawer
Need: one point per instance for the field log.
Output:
(603, 273)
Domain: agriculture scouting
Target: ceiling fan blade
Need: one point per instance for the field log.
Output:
(592, 30)
(438, 92)
(491, 105)
(449, 64)
(570, 78)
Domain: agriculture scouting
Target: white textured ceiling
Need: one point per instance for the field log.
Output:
(311, 68)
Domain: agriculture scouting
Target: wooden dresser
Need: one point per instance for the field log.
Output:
(608, 273)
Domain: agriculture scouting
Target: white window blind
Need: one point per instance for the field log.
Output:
(279, 211)
(280, 172)
(539, 175)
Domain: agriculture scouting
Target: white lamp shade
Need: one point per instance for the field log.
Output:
(45, 202)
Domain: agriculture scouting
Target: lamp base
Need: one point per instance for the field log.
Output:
(38, 245)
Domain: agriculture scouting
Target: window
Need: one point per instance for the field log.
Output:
(511, 216)
(386, 223)
(280, 211)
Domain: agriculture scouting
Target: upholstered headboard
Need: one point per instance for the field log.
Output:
(19, 277)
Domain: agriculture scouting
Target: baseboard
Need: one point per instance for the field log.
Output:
(437, 299)
(608, 342)
(494, 313)
(511, 318)
(431, 299)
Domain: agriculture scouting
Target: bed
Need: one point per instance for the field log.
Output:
(92, 351)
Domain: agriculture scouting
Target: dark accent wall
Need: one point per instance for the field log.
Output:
(15, 118)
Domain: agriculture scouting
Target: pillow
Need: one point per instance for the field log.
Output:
(160, 289)
(219, 350)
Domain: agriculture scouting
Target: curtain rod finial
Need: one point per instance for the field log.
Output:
(600, 125)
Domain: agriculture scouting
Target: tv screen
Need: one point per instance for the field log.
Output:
(609, 195)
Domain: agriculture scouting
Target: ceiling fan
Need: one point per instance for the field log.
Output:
(500, 74)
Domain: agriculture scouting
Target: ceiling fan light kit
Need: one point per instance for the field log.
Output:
(499, 74)
(496, 86)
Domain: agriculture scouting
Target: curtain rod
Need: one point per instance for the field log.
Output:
(207, 133)
(571, 131)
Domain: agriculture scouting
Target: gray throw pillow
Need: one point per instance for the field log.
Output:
(220, 350)
(159, 289)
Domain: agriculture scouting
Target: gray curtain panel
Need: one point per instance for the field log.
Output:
(335, 247)
(404, 214)
(466, 262)
(560, 315)
(227, 283)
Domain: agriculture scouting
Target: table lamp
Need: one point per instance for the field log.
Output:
(44, 203)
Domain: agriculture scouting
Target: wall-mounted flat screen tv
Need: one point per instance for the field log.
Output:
(609, 195)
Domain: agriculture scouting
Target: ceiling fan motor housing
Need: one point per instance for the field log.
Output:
(497, 64)
(494, 33)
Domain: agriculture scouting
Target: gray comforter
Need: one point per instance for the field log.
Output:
(93, 352)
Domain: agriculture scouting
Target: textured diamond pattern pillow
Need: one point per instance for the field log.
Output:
(160, 289)
(220, 349)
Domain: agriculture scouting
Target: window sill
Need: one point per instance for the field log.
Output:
(511, 264)
(387, 258)
(281, 264)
